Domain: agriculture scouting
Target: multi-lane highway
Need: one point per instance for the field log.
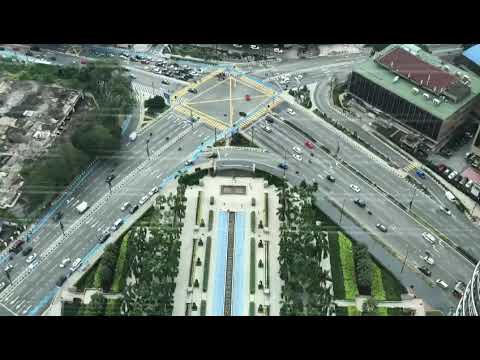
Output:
(136, 175)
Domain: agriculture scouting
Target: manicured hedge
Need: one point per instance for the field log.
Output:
(253, 264)
(252, 221)
(86, 281)
(210, 220)
(203, 308)
(353, 311)
(363, 268)
(266, 209)
(348, 267)
(113, 307)
(206, 264)
(341, 311)
(197, 216)
(121, 270)
(192, 263)
(336, 267)
(251, 309)
(392, 287)
(378, 292)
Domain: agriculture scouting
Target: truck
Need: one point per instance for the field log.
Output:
(82, 207)
(133, 136)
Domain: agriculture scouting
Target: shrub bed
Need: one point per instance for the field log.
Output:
(210, 220)
(251, 309)
(253, 265)
(363, 268)
(197, 216)
(266, 209)
(252, 221)
(348, 267)
(86, 281)
(192, 263)
(121, 270)
(353, 311)
(192, 179)
(113, 307)
(336, 266)
(206, 264)
(378, 292)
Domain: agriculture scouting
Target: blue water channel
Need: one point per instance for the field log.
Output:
(218, 299)
(239, 292)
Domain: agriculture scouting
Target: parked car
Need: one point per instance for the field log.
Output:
(64, 262)
(242, 113)
(425, 271)
(441, 283)
(27, 251)
(441, 168)
(104, 237)
(382, 228)
(125, 206)
(360, 202)
(143, 200)
(165, 82)
(428, 259)
(354, 188)
(31, 258)
(309, 144)
(452, 175)
(330, 178)
(133, 209)
(61, 280)
(429, 237)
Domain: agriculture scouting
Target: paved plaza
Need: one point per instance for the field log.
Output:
(242, 299)
(222, 102)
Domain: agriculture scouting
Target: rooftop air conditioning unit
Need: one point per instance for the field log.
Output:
(436, 101)
(415, 90)
(395, 79)
(426, 96)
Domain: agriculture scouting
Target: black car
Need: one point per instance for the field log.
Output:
(424, 270)
(29, 53)
(27, 251)
(193, 91)
(104, 237)
(61, 280)
(330, 178)
(133, 209)
(213, 155)
(35, 48)
(110, 178)
(242, 113)
(269, 119)
(360, 202)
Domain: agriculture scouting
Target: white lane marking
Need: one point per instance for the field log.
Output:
(440, 242)
(434, 248)
(86, 222)
(26, 310)
(14, 300)
(20, 304)
(100, 228)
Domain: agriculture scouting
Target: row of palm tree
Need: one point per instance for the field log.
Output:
(302, 248)
(155, 260)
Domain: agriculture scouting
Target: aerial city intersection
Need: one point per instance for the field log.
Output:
(240, 180)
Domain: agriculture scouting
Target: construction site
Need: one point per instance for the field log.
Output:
(32, 116)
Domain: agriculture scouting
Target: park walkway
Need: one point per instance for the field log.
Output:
(414, 304)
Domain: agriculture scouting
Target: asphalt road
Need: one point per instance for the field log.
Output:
(83, 230)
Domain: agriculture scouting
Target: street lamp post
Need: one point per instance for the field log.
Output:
(109, 186)
(148, 151)
(62, 228)
(341, 212)
(405, 261)
(413, 197)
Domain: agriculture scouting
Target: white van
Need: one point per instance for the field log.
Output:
(429, 237)
(117, 224)
(450, 196)
(441, 283)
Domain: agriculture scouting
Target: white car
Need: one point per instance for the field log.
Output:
(64, 262)
(446, 211)
(354, 188)
(8, 267)
(268, 129)
(428, 259)
(33, 265)
(143, 200)
(31, 258)
(297, 150)
(290, 111)
(153, 191)
(441, 283)
(237, 46)
(429, 237)
(76, 264)
(299, 77)
(2, 285)
(254, 47)
(278, 51)
(297, 157)
(452, 175)
(125, 206)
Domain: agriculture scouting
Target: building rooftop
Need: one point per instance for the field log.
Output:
(473, 54)
(413, 60)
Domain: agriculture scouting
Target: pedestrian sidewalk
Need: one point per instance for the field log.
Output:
(414, 304)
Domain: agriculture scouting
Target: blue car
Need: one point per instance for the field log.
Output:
(420, 174)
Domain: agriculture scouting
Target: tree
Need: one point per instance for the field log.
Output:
(95, 141)
(155, 105)
(370, 305)
(97, 305)
(363, 268)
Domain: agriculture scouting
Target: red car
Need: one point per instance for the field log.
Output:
(309, 145)
(441, 167)
(83, 61)
(247, 97)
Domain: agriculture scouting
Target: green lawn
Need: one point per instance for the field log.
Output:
(121, 269)
(336, 266)
(353, 311)
(348, 267)
(378, 292)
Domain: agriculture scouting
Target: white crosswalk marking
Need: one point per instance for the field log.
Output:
(144, 92)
